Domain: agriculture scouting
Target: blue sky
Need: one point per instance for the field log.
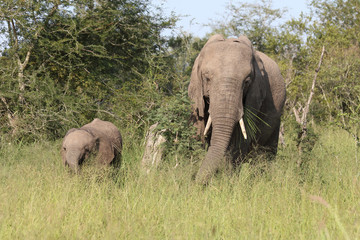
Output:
(200, 12)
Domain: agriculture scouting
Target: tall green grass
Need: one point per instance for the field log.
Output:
(277, 200)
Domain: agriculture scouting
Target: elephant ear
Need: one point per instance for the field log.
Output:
(256, 92)
(196, 92)
(105, 150)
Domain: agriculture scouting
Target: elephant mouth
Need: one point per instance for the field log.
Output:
(76, 165)
(82, 159)
(208, 120)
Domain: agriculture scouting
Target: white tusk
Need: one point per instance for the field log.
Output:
(242, 126)
(208, 124)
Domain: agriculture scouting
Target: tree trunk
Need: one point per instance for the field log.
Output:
(153, 149)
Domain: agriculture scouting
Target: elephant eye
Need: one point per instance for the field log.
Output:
(64, 148)
(247, 84)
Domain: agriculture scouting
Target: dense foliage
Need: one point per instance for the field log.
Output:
(65, 62)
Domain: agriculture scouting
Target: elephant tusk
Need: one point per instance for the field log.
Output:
(208, 124)
(242, 126)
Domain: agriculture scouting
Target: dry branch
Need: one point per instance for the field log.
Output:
(303, 120)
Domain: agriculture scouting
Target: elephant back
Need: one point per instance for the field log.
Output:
(106, 129)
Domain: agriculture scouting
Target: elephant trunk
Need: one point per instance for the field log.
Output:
(73, 160)
(214, 158)
(226, 110)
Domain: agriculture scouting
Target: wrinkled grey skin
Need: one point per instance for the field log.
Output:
(99, 137)
(228, 76)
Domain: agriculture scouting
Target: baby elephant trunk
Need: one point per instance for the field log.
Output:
(73, 160)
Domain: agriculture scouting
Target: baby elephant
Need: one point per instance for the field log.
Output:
(99, 137)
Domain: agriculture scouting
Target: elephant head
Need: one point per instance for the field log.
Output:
(99, 137)
(228, 76)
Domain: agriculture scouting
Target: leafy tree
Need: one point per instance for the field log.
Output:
(337, 27)
(64, 61)
(163, 97)
(255, 20)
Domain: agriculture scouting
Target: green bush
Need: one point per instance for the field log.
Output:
(174, 116)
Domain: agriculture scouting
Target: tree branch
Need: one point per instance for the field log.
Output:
(296, 114)
(307, 106)
(16, 43)
(303, 122)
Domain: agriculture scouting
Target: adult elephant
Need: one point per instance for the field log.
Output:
(238, 95)
(101, 138)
